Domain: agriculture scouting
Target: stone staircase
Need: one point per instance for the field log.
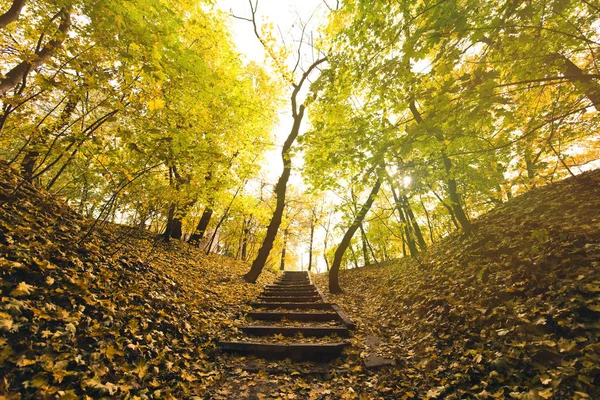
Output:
(292, 319)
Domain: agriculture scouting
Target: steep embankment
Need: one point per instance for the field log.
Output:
(512, 311)
(114, 315)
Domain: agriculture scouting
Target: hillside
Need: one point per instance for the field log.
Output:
(509, 312)
(512, 311)
(116, 315)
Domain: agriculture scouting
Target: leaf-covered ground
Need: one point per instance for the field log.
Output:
(117, 315)
(512, 311)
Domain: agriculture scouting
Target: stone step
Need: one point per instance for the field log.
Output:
(314, 331)
(294, 316)
(290, 299)
(294, 287)
(295, 351)
(288, 284)
(293, 306)
(292, 292)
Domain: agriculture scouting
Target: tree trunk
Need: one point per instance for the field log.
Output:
(282, 263)
(297, 113)
(310, 246)
(354, 258)
(334, 285)
(280, 189)
(365, 250)
(585, 84)
(202, 225)
(246, 234)
(410, 241)
(413, 220)
(459, 213)
(457, 208)
(15, 75)
(12, 14)
(428, 219)
(31, 157)
(169, 228)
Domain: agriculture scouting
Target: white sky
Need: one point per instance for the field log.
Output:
(285, 15)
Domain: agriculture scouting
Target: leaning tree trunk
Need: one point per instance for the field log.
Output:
(451, 186)
(334, 284)
(455, 202)
(12, 14)
(310, 246)
(410, 241)
(202, 225)
(411, 217)
(298, 113)
(15, 75)
(282, 264)
(585, 84)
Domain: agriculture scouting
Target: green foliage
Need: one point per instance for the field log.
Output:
(164, 112)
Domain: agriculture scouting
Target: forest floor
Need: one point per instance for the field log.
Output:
(510, 312)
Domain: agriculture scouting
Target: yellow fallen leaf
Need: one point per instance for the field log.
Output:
(22, 289)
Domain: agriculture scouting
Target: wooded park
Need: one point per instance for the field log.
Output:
(326, 199)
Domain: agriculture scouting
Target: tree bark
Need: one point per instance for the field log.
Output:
(282, 263)
(280, 189)
(202, 225)
(246, 234)
(310, 246)
(365, 250)
(31, 157)
(413, 220)
(459, 213)
(455, 202)
(410, 241)
(15, 75)
(585, 84)
(12, 14)
(334, 285)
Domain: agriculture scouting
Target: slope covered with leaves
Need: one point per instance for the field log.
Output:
(511, 311)
(114, 314)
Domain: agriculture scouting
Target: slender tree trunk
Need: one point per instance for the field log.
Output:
(410, 241)
(325, 241)
(459, 213)
(15, 75)
(30, 158)
(428, 219)
(12, 14)
(371, 250)
(310, 246)
(280, 190)
(245, 238)
(365, 251)
(334, 285)
(282, 263)
(413, 220)
(584, 84)
(354, 257)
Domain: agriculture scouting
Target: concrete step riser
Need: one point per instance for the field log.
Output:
(299, 292)
(292, 331)
(293, 306)
(296, 351)
(294, 316)
(288, 300)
